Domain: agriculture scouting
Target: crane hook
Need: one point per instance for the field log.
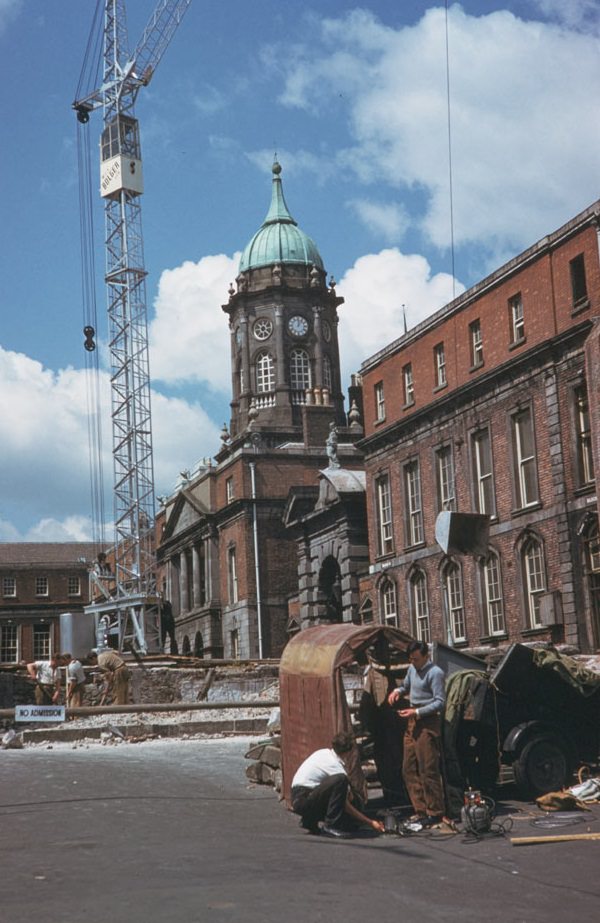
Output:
(89, 344)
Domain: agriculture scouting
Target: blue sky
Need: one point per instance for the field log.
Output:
(353, 99)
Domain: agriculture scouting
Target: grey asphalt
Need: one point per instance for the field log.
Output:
(172, 831)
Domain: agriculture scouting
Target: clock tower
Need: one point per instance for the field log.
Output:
(283, 322)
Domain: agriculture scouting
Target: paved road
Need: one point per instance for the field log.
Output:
(171, 831)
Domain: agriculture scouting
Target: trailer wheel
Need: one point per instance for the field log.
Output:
(544, 765)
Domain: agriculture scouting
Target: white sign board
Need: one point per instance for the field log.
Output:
(39, 713)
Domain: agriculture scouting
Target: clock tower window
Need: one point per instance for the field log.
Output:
(300, 378)
(265, 373)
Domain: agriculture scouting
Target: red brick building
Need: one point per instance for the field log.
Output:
(38, 582)
(492, 405)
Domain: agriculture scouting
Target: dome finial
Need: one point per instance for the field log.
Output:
(276, 168)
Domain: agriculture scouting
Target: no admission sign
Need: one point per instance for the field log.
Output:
(39, 713)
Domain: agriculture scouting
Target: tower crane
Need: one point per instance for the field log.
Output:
(128, 597)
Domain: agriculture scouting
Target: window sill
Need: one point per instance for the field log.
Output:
(531, 632)
(379, 421)
(580, 307)
(415, 547)
(516, 343)
(441, 387)
(494, 639)
(522, 510)
(584, 489)
(408, 406)
(386, 556)
(477, 366)
(457, 645)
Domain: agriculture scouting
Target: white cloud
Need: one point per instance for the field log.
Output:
(44, 456)
(390, 220)
(189, 338)
(375, 290)
(524, 124)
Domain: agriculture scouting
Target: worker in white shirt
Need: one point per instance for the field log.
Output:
(321, 792)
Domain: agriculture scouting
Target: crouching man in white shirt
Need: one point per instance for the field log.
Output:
(321, 791)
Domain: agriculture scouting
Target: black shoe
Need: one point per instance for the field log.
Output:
(335, 832)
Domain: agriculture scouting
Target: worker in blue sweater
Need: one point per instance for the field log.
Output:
(425, 687)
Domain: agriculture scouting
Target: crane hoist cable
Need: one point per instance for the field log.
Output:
(90, 327)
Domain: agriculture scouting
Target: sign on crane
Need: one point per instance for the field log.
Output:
(129, 599)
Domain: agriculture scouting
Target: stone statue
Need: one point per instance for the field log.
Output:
(331, 446)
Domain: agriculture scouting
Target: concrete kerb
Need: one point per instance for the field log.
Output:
(241, 726)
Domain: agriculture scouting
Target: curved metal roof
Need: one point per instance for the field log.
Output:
(279, 239)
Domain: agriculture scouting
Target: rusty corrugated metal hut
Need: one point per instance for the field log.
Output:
(311, 690)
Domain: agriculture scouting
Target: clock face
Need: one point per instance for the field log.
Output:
(326, 331)
(263, 328)
(298, 325)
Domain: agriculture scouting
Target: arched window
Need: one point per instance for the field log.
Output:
(185, 646)
(299, 370)
(420, 605)
(491, 582)
(366, 612)
(327, 377)
(198, 645)
(389, 604)
(265, 373)
(534, 578)
(454, 597)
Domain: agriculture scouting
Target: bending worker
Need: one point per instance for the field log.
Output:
(321, 791)
(424, 684)
(117, 675)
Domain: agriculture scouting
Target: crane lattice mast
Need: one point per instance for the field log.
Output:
(132, 595)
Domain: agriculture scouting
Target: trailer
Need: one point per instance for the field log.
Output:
(537, 712)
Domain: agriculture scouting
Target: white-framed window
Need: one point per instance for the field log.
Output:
(389, 604)
(9, 586)
(483, 476)
(454, 595)
(384, 514)
(444, 469)
(41, 586)
(41, 642)
(526, 487)
(366, 612)
(493, 601)
(9, 644)
(299, 370)
(379, 401)
(420, 606)
(408, 384)
(476, 340)
(534, 569)
(517, 319)
(234, 644)
(232, 576)
(414, 508)
(585, 460)
(229, 490)
(439, 361)
(74, 586)
(265, 373)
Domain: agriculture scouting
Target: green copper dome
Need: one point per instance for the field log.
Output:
(279, 239)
